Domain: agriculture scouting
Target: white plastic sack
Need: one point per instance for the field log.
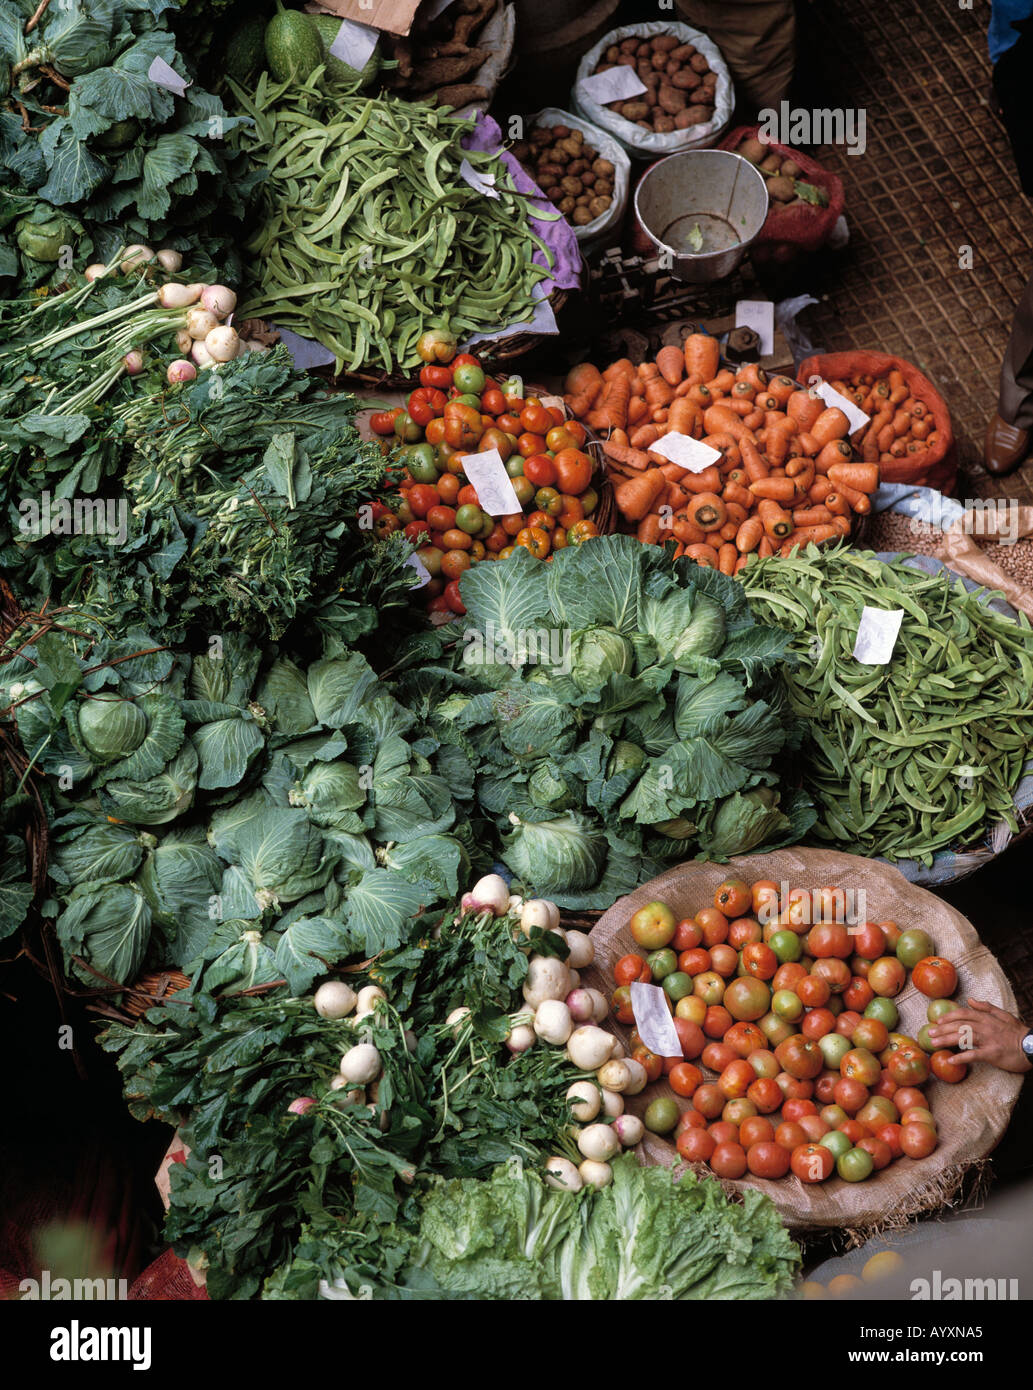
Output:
(607, 227)
(647, 144)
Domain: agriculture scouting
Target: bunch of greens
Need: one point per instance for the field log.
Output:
(253, 824)
(240, 496)
(614, 710)
(647, 1235)
(86, 129)
(451, 1102)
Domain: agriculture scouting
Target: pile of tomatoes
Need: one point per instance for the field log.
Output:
(792, 1010)
(458, 410)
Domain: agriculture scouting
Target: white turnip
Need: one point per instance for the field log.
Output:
(175, 296)
(547, 978)
(455, 1019)
(133, 362)
(595, 1174)
(585, 1101)
(200, 355)
(629, 1130)
(490, 893)
(582, 951)
(535, 913)
(361, 1064)
(135, 257)
(639, 1076)
(368, 996)
(552, 1022)
(561, 1173)
(580, 1004)
(613, 1105)
(334, 999)
(95, 272)
(598, 1142)
(520, 1038)
(600, 1005)
(575, 978)
(223, 343)
(218, 300)
(588, 1047)
(617, 1050)
(170, 260)
(200, 322)
(299, 1106)
(614, 1076)
(180, 371)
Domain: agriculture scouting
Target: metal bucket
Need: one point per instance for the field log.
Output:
(712, 198)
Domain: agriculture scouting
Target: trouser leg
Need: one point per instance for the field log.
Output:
(1015, 405)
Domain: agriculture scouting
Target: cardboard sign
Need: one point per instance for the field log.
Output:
(758, 314)
(686, 452)
(853, 413)
(877, 635)
(396, 16)
(616, 84)
(163, 76)
(354, 44)
(653, 1020)
(493, 485)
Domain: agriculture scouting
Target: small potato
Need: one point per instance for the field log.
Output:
(612, 53)
(578, 136)
(634, 110)
(627, 60)
(577, 167)
(562, 132)
(566, 206)
(686, 80)
(652, 79)
(629, 45)
(672, 100)
(603, 188)
(695, 115)
(665, 43)
(663, 125)
(572, 186)
(659, 61)
(644, 67)
(603, 168)
(698, 63)
(772, 164)
(587, 178)
(541, 135)
(572, 147)
(583, 199)
(554, 194)
(644, 49)
(581, 217)
(550, 171)
(682, 53)
(560, 155)
(644, 125)
(598, 207)
(672, 66)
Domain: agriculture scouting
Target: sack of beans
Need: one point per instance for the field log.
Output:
(909, 434)
(805, 200)
(674, 89)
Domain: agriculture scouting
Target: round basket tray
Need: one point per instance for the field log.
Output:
(972, 1115)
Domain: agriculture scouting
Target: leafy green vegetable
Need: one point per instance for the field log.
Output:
(614, 710)
(648, 1235)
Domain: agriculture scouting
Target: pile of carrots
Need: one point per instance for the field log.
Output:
(900, 427)
(786, 475)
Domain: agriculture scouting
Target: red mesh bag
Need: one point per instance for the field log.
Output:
(938, 466)
(167, 1280)
(788, 232)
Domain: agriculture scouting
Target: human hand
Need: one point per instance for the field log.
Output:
(987, 1033)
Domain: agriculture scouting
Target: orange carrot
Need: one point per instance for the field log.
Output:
(819, 490)
(648, 530)
(863, 477)
(673, 472)
(838, 451)
(765, 549)
(636, 497)
(806, 535)
(683, 415)
(702, 357)
(611, 411)
(579, 378)
(632, 458)
(707, 511)
(777, 522)
(726, 558)
(740, 563)
(671, 362)
(644, 436)
(582, 403)
(722, 382)
(658, 415)
(725, 444)
(837, 504)
(779, 434)
(754, 421)
(700, 395)
(732, 492)
(752, 461)
(860, 502)
(637, 409)
(721, 419)
(812, 516)
(735, 512)
(622, 367)
(781, 387)
(708, 480)
(749, 535)
(803, 408)
(675, 496)
(830, 424)
(704, 555)
(618, 437)
(774, 489)
(729, 530)
(658, 392)
(688, 533)
(754, 375)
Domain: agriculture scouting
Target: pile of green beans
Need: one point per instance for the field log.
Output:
(369, 236)
(920, 754)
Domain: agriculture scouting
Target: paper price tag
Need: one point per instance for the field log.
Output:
(686, 452)
(304, 352)
(422, 572)
(557, 401)
(653, 1020)
(163, 76)
(758, 314)
(488, 476)
(853, 413)
(877, 635)
(616, 84)
(354, 44)
(481, 183)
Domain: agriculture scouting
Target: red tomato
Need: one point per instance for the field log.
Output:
(463, 426)
(790, 1135)
(813, 1126)
(881, 1153)
(724, 959)
(917, 1140)
(691, 1036)
(759, 960)
(794, 1087)
(415, 530)
(813, 991)
(825, 1086)
(858, 995)
(723, 1132)
(530, 444)
(708, 1100)
(733, 898)
(454, 539)
(535, 417)
(684, 1079)
(694, 961)
(559, 437)
(632, 968)
(689, 1119)
(745, 1038)
(869, 941)
(756, 1129)
(620, 1005)
(909, 1066)
(935, 977)
(728, 1160)
(574, 471)
(800, 1056)
(796, 1107)
(422, 497)
(887, 976)
(713, 924)
(650, 1062)
(853, 1130)
(383, 421)
(717, 1021)
(435, 374)
(908, 1098)
(766, 1094)
(835, 973)
(829, 939)
(851, 1095)
(817, 1022)
(441, 518)
(788, 976)
(890, 1136)
(944, 1067)
(695, 1145)
(812, 1162)
(425, 403)
(846, 1022)
(768, 1160)
(687, 936)
(451, 594)
(493, 401)
(540, 470)
(744, 930)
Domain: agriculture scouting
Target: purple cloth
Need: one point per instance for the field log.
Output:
(558, 235)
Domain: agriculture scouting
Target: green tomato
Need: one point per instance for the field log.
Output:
(939, 1008)
(787, 1004)
(662, 1115)
(855, 1165)
(836, 1142)
(884, 1010)
(469, 518)
(786, 946)
(421, 463)
(469, 379)
(515, 465)
(468, 398)
(662, 963)
(407, 429)
(834, 1047)
(524, 489)
(924, 1041)
(914, 945)
(487, 526)
(677, 985)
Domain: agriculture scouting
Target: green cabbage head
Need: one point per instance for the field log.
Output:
(598, 654)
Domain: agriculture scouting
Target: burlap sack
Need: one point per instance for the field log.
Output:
(959, 551)
(971, 1116)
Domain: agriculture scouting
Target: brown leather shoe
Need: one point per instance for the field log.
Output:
(1005, 446)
